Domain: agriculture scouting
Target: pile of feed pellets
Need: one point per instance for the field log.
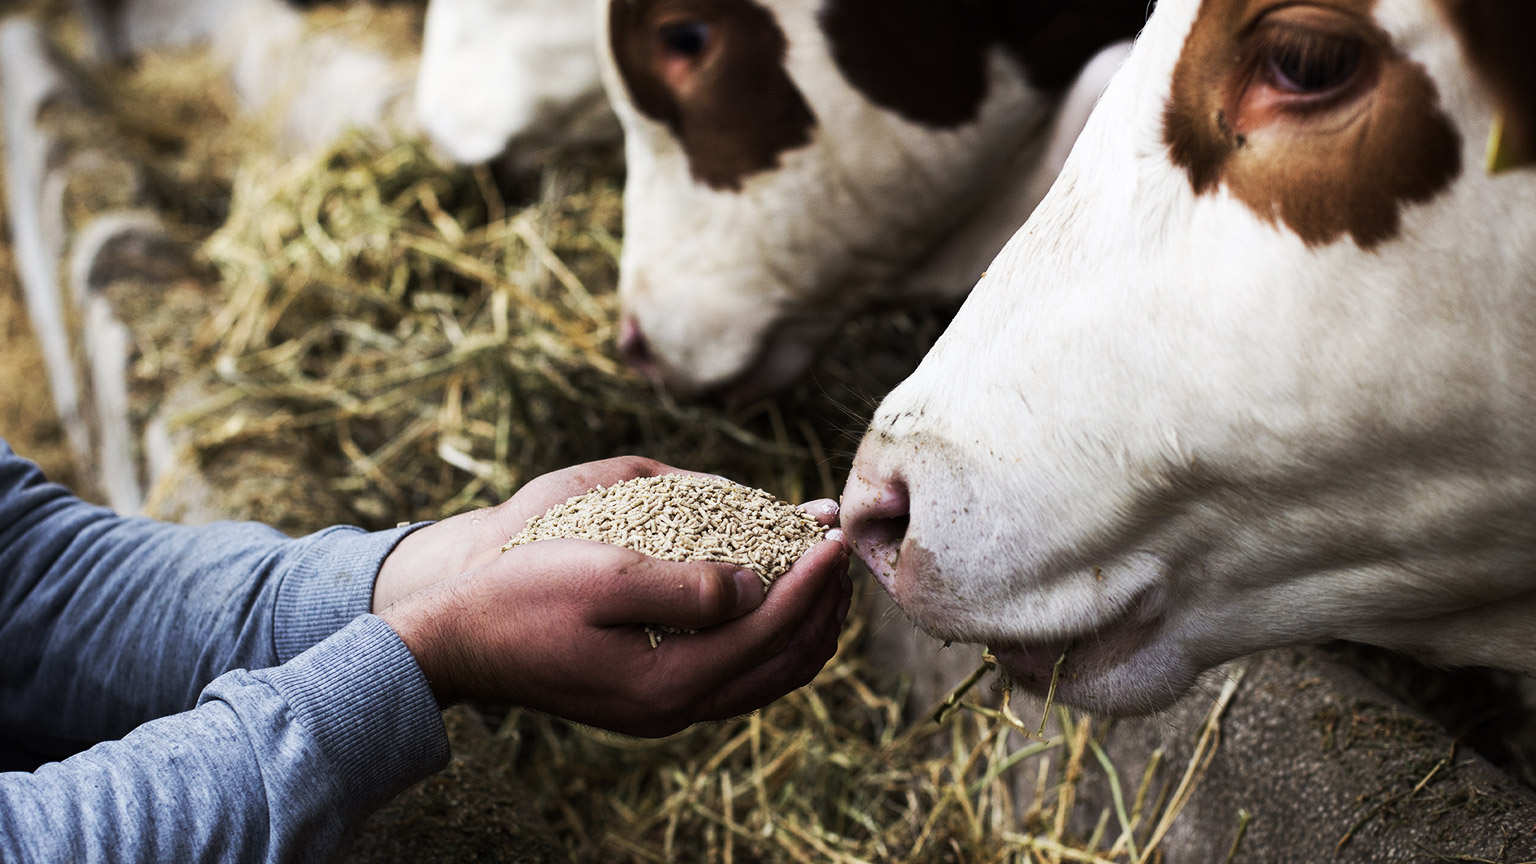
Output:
(685, 517)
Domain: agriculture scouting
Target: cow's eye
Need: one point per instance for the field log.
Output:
(1310, 63)
(685, 39)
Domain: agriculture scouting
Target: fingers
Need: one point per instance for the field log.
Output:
(824, 509)
(528, 627)
(691, 595)
(740, 645)
(812, 643)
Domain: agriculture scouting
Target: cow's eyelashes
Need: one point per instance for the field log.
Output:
(1312, 63)
(684, 39)
(1306, 63)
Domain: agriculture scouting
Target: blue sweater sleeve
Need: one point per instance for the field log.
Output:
(108, 622)
(274, 765)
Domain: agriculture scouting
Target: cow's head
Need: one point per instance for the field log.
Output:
(1260, 370)
(511, 75)
(790, 159)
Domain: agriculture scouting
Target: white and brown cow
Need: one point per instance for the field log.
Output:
(793, 162)
(1260, 370)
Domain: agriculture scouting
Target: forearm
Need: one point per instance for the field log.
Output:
(274, 765)
(107, 622)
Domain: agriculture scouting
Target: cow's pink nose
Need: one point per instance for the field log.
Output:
(633, 348)
(875, 517)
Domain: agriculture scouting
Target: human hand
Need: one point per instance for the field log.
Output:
(456, 545)
(558, 626)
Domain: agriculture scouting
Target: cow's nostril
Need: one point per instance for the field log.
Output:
(876, 517)
(632, 346)
(885, 534)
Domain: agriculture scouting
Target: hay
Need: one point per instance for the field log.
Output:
(425, 345)
(441, 350)
(830, 773)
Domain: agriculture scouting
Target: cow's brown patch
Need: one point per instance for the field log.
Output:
(1309, 116)
(927, 59)
(1497, 36)
(924, 59)
(713, 72)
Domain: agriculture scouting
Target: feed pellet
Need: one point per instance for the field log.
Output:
(682, 517)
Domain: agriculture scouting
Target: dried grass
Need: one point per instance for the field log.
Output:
(441, 349)
(830, 773)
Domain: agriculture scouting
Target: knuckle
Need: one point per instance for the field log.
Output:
(638, 466)
(625, 563)
(781, 641)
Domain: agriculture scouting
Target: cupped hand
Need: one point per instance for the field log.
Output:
(459, 544)
(559, 626)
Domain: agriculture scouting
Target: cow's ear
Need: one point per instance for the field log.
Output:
(923, 59)
(1496, 35)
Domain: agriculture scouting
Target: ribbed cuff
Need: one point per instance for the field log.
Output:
(365, 699)
(330, 584)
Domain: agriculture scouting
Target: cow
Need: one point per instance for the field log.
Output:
(792, 163)
(1259, 370)
(120, 30)
(312, 76)
(514, 78)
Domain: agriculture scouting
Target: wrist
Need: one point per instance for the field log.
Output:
(330, 582)
(429, 639)
(409, 566)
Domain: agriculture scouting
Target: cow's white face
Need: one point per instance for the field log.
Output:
(518, 75)
(1260, 370)
(788, 160)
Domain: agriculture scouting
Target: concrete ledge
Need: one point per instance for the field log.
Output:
(1326, 766)
(30, 81)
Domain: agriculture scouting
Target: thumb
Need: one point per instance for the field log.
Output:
(690, 595)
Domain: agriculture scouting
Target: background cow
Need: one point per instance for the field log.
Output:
(511, 76)
(793, 162)
(313, 77)
(1258, 371)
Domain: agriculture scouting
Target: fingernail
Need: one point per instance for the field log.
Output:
(836, 535)
(821, 507)
(749, 590)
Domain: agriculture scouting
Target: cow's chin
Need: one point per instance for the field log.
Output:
(780, 364)
(779, 361)
(770, 373)
(1121, 663)
(1125, 671)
